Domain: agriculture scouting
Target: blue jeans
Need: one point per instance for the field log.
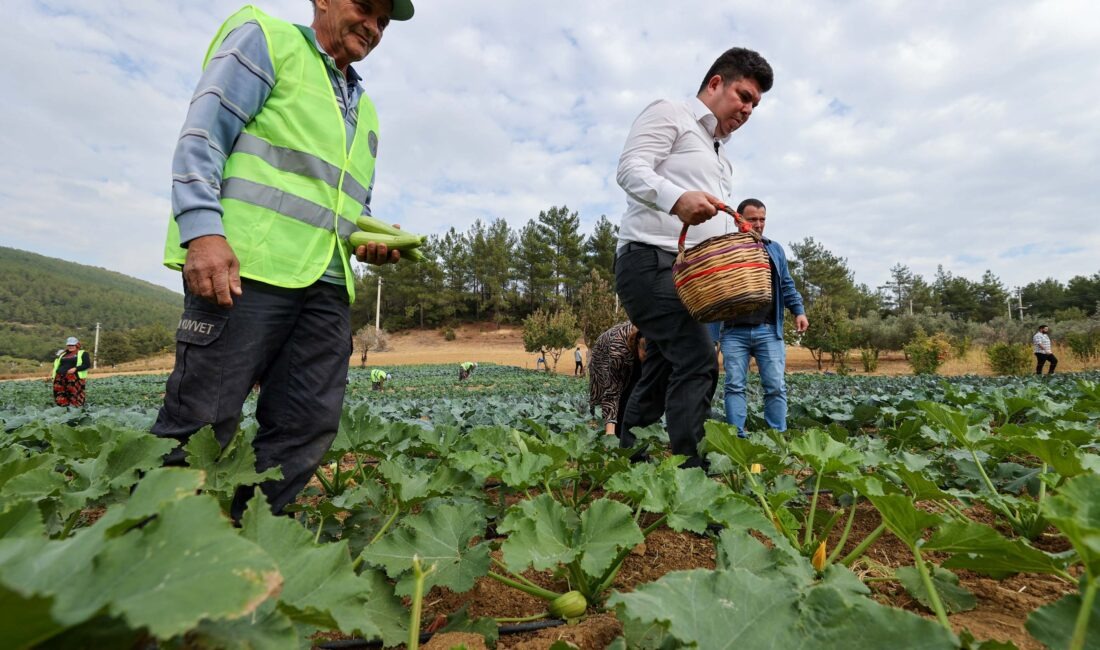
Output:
(759, 341)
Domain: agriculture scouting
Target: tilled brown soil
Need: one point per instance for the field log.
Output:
(1002, 607)
(662, 552)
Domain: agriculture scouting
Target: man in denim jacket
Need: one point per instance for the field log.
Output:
(759, 334)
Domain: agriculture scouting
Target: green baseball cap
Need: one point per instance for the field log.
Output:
(402, 10)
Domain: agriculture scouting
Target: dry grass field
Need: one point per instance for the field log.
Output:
(489, 343)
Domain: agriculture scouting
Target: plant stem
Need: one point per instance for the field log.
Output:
(517, 576)
(385, 526)
(813, 508)
(323, 481)
(69, 523)
(522, 619)
(617, 563)
(577, 579)
(584, 497)
(537, 592)
(417, 603)
(864, 545)
(362, 470)
(320, 527)
(933, 595)
(758, 492)
(650, 528)
(1066, 577)
(1081, 626)
(1042, 488)
(995, 497)
(953, 509)
(844, 535)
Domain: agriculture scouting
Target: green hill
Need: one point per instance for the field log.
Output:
(44, 299)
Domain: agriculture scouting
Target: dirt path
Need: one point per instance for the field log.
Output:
(487, 343)
(482, 343)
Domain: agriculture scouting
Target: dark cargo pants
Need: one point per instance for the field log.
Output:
(680, 371)
(296, 343)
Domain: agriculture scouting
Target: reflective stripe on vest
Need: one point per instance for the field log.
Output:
(300, 162)
(291, 188)
(83, 374)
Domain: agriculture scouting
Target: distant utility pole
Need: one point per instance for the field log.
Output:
(378, 310)
(95, 349)
(1008, 302)
(1020, 302)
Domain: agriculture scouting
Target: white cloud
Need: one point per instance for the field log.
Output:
(931, 133)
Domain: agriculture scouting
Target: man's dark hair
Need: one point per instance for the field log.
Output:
(756, 203)
(738, 63)
(1040, 328)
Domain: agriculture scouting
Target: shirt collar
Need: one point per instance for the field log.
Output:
(311, 36)
(705, 117)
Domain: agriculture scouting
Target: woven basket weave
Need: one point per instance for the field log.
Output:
(724, 276)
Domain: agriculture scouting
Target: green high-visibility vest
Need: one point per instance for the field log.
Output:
(466, 365)
(83, 374)
(291, 188)
(377, 375)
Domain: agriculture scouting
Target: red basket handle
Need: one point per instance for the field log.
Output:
(742, 225)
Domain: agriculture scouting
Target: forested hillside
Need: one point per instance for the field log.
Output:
(43, 300)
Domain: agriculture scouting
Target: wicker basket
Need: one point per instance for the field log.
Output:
(724, 276)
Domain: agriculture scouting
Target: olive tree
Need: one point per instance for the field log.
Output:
(832, 333)
(552, 332)
(597, 309)
(369, 338)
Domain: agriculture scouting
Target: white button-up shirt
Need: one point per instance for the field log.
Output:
(671, 149)
(1041, 343)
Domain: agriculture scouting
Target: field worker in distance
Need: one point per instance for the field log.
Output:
(578, 360)
(613, 369)
(465, 368)
(263, 163)
(1043, 352)
(759, 334)
(674, 172)
(70, 373)
(378, 377)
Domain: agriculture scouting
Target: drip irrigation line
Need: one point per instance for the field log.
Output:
(518, 628)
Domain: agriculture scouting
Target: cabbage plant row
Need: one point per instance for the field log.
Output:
(433, 483)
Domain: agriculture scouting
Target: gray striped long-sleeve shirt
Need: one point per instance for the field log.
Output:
(231, 91)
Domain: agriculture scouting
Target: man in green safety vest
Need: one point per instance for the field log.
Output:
(274, 163)
(378, 377)
(465, 368)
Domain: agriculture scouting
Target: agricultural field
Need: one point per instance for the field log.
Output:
(898, 512)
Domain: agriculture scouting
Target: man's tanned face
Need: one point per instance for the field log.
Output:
(350, 29)
(756, 217)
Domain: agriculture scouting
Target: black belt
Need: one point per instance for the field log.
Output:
(630, 247)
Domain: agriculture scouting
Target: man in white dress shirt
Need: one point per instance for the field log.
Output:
(674, 173)
(1043, 353)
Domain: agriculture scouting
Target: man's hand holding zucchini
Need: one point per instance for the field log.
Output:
(380, 243)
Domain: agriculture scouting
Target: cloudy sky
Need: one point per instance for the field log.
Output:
(965, 134)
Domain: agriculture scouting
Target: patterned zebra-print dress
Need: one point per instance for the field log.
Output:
(609, 370)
